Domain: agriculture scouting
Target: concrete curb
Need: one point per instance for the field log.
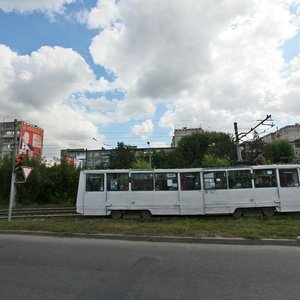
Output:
(164, 239)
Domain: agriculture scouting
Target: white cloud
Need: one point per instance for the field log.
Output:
(216, 62)
(26, 6)
(105, 14)
(44, 77)
(143, 130)
(210, 62)
(38, 88)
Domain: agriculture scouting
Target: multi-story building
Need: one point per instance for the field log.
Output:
(29, 139)
(86, 158)
(179, 133)
(91, 159)
(291, 133)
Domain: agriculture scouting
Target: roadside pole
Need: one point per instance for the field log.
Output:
(13, 174)
(237, 143)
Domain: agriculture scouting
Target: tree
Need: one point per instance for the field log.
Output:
(47, 185)
(121, 157)
(140, 164)
(164, 159)
(5, 178)
(211, 160)
(279, 151)
(253, 151)
(192, 148)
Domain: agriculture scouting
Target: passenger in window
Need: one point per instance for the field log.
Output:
(237, 185)
(283, 181)
(290, 183)
(123, 187)
(138, 186)
(159, 186)
(184, 185)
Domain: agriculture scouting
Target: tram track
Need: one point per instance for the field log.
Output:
(51, 212)
(70, 212)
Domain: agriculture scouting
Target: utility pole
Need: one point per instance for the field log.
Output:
(239, 136)
(12, 202)
(237, 142)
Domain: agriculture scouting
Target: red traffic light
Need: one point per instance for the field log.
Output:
(19, 159)
(18, 163)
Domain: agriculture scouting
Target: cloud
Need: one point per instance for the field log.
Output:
(209, 61)
(44, 77)
(46, 6)
(39, 88)
(143, 130)
(105, 14)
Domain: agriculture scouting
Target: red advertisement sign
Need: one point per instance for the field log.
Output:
(31, 140)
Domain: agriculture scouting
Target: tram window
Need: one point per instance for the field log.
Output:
(239, 179)
(141, 181)
(117, 181)
(265, 178)
(94, 182)
(215, 180)
(166, 182)
(190, 181)
(288, 177)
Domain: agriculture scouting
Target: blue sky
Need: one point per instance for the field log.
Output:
(132, 71)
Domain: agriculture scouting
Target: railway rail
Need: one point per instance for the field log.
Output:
(66, 212)
(50, 212)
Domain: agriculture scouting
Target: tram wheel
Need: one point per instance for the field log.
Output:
(146, 214)
(268, 211)
(237, 213)
(116, 214)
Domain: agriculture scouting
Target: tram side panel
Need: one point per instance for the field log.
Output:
(80, 194)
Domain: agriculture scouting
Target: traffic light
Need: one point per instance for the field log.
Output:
(18, 163)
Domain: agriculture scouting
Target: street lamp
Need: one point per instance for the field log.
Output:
(149, 154)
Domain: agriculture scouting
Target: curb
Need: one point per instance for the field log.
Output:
(164, 239)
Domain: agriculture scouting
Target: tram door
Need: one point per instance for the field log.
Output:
(190, 194)
(289, 190)
(166, 196)
(216, 197)
(117, 194)
(94, 197)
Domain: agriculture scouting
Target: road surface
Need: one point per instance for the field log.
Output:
(35, 267)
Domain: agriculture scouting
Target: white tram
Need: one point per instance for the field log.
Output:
(194, 191)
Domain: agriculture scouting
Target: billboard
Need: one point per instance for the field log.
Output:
(31, 140)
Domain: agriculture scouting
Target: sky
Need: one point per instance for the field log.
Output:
(94, 73)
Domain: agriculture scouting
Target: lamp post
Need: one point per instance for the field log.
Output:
(149, 154)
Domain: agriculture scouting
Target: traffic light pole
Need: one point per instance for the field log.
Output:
(13, 174)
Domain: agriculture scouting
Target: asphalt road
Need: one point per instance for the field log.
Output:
(35, 267)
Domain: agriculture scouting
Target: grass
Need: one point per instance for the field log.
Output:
(252, 228)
